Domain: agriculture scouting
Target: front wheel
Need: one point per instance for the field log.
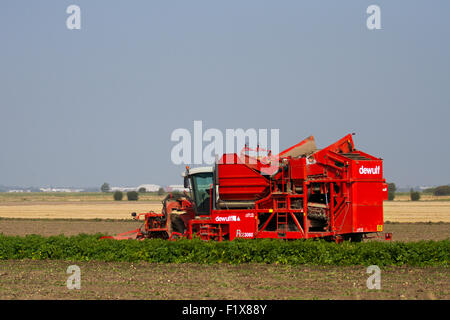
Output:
(178, 225)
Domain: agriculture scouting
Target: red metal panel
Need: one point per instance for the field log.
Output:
(368, 209)
(242, 223)
(385, 191)
(298, 169)
(315, 169)
(237, 181)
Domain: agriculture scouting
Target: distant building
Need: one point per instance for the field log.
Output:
(176, 187)
(123, 189)
(149, 187)
(60, 190)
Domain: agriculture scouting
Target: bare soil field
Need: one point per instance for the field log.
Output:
(30, 279)
(50, 227)
(47, 227)
(418, 231)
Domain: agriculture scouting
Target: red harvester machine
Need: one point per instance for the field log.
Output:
(335, 193)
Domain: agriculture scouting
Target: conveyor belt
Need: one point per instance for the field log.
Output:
(354, 156)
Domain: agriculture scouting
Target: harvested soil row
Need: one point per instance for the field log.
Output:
(29, 279)
(48, 227)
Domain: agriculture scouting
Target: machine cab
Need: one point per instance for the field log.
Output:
(200, 181)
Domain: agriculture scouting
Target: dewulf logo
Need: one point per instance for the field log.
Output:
(375, 170)
(227, 219)
(240, 234)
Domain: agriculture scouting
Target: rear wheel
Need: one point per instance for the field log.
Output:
(355, 237)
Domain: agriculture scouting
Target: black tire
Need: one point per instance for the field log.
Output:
(356, 237)
(178, 225)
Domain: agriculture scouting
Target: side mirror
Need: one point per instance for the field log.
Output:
(186, 182)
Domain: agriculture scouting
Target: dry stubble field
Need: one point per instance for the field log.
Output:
(101, 206)
(47, 215)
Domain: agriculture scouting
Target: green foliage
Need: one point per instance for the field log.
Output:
(118, 195)
(415, 195)
(105, 187)
(132, 196)
(160, 191)
(391, 191)
(442, 191)
(142, 190)
(311, 252)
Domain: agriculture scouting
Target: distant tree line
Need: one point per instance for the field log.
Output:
(105, 187)
(133, 195)
(439, 191)
(415, 195)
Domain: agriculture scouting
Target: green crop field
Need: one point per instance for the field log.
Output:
(309, 252)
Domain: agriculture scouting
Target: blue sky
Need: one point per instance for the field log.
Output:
(81, 107)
